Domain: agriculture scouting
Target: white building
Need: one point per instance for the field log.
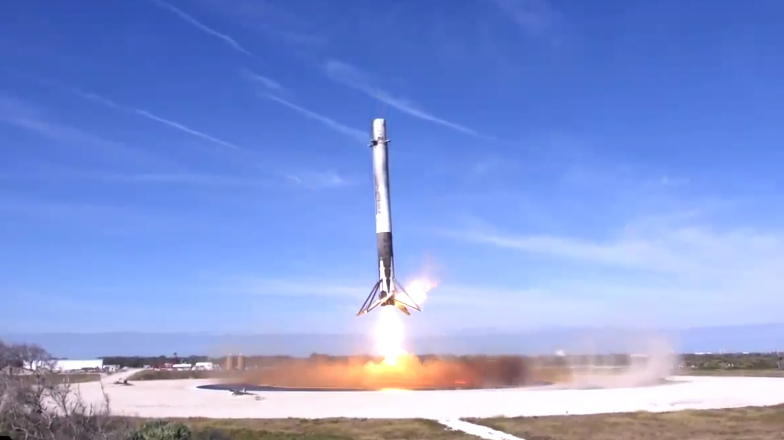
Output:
(65, 366)
(69, 365)
(204, 366)
(182, 366)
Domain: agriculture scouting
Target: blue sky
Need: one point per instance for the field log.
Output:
(202, 164)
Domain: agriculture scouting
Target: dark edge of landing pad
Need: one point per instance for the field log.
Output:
(263, 388)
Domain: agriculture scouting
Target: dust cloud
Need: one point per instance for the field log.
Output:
(649, 360)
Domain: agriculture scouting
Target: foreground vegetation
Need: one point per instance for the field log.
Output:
(40, 404)
(333, 429)
(758, 423)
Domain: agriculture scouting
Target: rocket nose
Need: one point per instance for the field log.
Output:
(379, 129)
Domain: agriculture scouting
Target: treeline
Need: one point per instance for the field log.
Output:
(182, 374)
(157, 361)
(733, 361)
(154, 361)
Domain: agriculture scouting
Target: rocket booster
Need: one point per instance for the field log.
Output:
(387, 291)
(379, 144)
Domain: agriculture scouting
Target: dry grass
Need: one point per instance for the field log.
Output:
(66, 377)
(754, 423)
(80, 377)
(343, 428)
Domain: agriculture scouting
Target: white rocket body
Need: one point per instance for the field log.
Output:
(383, 209)
(387, 289)
(381, 176)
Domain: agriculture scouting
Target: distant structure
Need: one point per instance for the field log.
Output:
(203, 366)
(229, 362)
(240, 362)
(68, 365)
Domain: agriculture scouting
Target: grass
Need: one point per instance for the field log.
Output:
(754, 423)
(332, 429)
(745, 373)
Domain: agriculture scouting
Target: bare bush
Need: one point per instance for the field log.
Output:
(36, 404)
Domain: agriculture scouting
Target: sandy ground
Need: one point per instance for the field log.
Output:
(181, 398)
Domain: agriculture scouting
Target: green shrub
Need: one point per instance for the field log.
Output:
(162, 430)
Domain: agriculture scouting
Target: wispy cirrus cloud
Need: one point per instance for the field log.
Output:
(149, 115)
(654, 261)
(105, 218)
(318, 180)
(534, 17)
(633, 253)
(676, 244)
(94, 97)
(27, 116)
(204, 28)
(353, 77)
(358, 135)
(266, 82)
(268, 18)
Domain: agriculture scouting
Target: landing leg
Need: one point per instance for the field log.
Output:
(368, 305)
(401, 296)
